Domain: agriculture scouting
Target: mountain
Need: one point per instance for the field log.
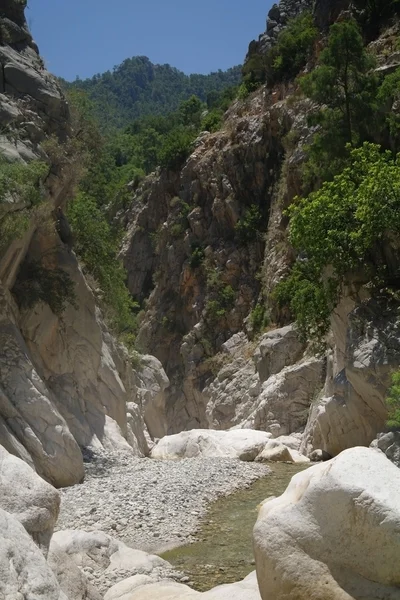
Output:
(137, 87)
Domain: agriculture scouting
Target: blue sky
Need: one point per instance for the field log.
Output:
(84, 37)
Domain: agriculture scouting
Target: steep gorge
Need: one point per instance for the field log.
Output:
(206, 270)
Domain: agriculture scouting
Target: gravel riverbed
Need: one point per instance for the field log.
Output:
(148, 504)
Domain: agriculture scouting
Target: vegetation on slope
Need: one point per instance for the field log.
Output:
(137, 88)
(344, 226)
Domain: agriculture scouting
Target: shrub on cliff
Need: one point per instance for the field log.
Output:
(393, 402)
(97, 246)
(22, 185)
(339, 229)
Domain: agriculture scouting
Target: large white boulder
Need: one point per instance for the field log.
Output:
(141, 588)
(31, 500)
(24, 573)
(334, 534)
(244, 444)
(278, 451)
(107, 559)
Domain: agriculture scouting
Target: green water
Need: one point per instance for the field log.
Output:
(224, 551)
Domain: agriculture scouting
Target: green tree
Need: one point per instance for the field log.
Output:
(342, 228)
(393, 402)
(345, 87)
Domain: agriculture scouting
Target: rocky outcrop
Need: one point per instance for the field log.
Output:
(230, 172)
(271, 390)
(29, 499)
(23, 568)
(352, 409)
(389, 444)
(278, 17)
(65, 384)
(244, 444)
(299, 537)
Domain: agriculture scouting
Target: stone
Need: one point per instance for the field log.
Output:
(137, 588)
(244, 444)
(389, 444)
(32, 501)
(270, 391)
(334, 534)
(24, 572)
(319, 455)
(275, 453)
(352, 408)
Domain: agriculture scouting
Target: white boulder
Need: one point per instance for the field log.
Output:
(277, 451)
(141, 588)
(25, 495)
(24, 573)
(244, 444)
(334, 534)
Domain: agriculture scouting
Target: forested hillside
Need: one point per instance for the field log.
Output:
(137, 87)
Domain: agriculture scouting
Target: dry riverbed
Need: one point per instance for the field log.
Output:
(151, 505)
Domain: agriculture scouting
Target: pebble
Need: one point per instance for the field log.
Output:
(134, 499)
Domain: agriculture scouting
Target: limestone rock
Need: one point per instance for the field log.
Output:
(30, 419)
(244, 444)
(334, 534)
(352, 409)
(138, 588)
(272, 390)
(100, 553)
(24, 572)
(275, 453)
(389, 444)
(278, 451)
(28, 498)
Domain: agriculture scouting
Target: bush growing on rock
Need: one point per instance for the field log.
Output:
(22, 184)
(393, 402)
(340, 229)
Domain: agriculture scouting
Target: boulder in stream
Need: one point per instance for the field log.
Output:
(334, 534)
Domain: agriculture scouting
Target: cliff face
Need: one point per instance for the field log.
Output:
(203, 274)
(65, 384)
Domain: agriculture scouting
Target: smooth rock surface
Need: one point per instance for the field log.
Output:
(138, 589)
(28, 498)
(244, 444)
(24, 573)
(334, 534)
(102, 558)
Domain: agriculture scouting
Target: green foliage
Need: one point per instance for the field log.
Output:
(293, 49)
(393, 402)
(197, 256)
(137, 88)
(248, 227)
(338, 229)
(37, 283)
(259, 318)
(222, 297)
(347, 90)
(388, 101)
(213, 120)
(97, 245)
(285, 59)
(176, 148)
(22, 184)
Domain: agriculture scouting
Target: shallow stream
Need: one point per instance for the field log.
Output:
(224, 552)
